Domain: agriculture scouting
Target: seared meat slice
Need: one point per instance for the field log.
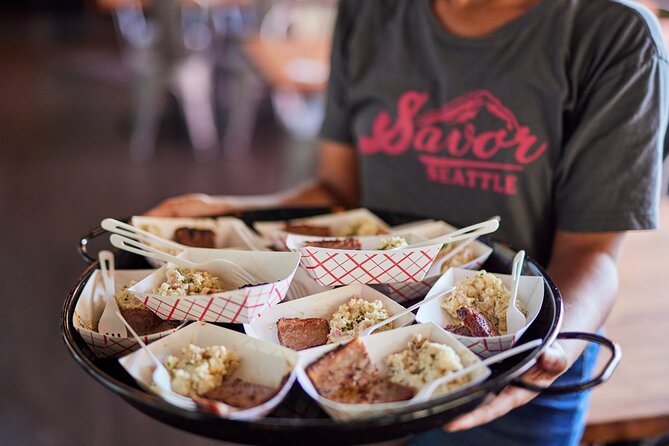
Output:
(347, 375)
(146, 322)
(241, 394)
(321, 231)
(299, 334)
(346, 243)
(476, 322)
(199, 238)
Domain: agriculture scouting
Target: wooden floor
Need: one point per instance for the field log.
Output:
(64, 165)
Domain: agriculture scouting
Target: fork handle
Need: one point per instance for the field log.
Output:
(130, 245)
(468, 232)
(121, 228)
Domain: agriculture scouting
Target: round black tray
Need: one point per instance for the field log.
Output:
(278, 428)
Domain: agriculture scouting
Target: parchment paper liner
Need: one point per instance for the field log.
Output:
(530, 293)
(380, 345)
(260, 363)
(274, 269)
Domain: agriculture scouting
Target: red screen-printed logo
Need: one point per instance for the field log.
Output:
(459, 143)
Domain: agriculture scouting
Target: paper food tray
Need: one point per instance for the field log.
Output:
(379, 346)
(530, 293)
(230, 232)
(321, 305)
(402, 292)
(274, 233)
(274, 270)
(332, 267)
(89, 309)
(260, 363)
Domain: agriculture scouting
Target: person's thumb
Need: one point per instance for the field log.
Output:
(554, 359)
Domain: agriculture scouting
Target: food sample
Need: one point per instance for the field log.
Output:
(347, 375)
(306, 229)
(423, 362)
(361, 226)
(300, 334)
(484, 293)
(139, 316)
(463, 257)
(477, 324)
(355, 316)
(347, 243)
(200, 370)
(188, 281)
(241, 394)
(199, 238)
(206, 372)
(393, 243)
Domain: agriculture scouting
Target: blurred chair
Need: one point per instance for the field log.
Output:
(291, 52)
(168, 47)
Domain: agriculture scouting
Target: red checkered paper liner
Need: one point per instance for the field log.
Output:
(89, 308)
(273, 270)
(530, 294)
(332, 267)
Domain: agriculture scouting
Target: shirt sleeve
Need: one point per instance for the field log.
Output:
(608, 177)
(336, 123)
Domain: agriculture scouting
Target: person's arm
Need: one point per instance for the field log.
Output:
(584, 268)
(336, 183)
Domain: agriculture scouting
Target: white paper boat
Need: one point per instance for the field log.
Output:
(321, 305)
(260, 363)
(274, 270)
(230, 232)
(332, 267)
(379, 346)
(275, 234)
(90, 306)
(530, 294)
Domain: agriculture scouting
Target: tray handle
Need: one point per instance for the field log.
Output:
(603, 375)
(92, 234)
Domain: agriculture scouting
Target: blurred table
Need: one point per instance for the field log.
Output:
(634, 404)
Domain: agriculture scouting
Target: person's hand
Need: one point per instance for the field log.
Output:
(190, 205)
(548, 368)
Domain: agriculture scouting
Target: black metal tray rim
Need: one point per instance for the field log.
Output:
(137, 396)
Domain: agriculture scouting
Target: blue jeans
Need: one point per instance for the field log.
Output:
(545, 421)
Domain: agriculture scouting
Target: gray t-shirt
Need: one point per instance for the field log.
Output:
(554, 121)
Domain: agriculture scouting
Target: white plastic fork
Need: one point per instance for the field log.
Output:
(238, 274)
(369, 330)
(468, 232)
(425, 393)
(109, 325)
(161, 377)
(121, 228)
(514, 317)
